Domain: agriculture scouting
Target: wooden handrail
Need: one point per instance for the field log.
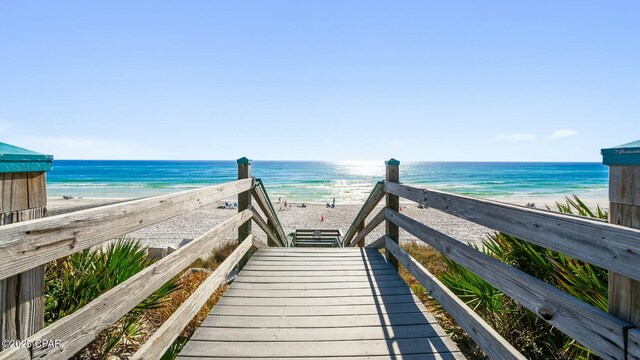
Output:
(78, 329)
(601, 332)
(265, 227)
(609, 246)
(372, 201)
(28, 244)
(379, 218)
(378, 243)
(262, 198)
(162, 339)
(494, 345)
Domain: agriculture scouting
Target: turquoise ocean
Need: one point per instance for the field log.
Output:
(348, 182)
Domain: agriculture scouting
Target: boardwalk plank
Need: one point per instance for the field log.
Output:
(316, 273)
(316, 304)
(337, 310)
(319, 279)
(323, 285)
(441, 356)
(232, 321)
(302, 349)
(318, 334)
(347, 300)
(305, 293)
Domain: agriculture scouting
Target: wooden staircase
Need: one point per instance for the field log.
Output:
(325, 238)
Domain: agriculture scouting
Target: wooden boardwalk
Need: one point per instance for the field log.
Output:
(346, 303)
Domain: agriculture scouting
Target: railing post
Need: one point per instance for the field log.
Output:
(393, 203)
(23, 196)
(359, 228)
(624, 209)
(244, 202)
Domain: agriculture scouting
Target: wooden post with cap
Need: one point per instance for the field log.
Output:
(244, 202)
(23, 196)
(393, 203)
(624, 209)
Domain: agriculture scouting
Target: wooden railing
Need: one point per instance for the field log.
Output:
(273, 223)
(357, 226)
(33, 243)
(612, 247)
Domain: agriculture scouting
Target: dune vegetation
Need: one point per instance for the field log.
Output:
(532, 336)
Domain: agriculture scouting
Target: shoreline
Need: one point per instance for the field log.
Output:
(182, 228)
(540, 201)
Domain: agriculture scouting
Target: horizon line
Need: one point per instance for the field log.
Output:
(401, 161)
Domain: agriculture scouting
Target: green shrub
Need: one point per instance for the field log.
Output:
(535, 338)
(74, 281)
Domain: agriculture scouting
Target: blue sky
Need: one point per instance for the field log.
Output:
(323, 80)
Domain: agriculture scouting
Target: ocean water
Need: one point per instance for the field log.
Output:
(348, 182)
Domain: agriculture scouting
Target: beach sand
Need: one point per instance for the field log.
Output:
(180, 229)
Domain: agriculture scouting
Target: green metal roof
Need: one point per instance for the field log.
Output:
(243, 160)
(626, 154)
(17, 159)
(392, 161)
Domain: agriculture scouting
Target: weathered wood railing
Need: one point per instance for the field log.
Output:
(357, 226)
(615, 248)
(273, 223)
(33, 243)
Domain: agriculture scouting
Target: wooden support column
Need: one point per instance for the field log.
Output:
(624, 209)
(393, 203)
(22, 197)
(244, 202)
(359, 229)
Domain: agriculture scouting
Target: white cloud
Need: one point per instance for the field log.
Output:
(517, 137)
(562, 134)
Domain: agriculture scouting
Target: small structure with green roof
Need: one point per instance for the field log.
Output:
(23, 196)
(16, 159)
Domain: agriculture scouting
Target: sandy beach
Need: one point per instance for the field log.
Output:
(178, 230)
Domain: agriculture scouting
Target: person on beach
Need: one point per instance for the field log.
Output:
(333, 206)
(279, 199)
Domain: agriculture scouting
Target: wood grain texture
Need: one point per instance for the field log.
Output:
(392, 230)
(272, 218)
(7, 187)
(19, 191)
(164, 337)
(494, 345)
(441, 356)
(601, 332)
(304, 349)
(31, 243)
(609, 246)
(624, 184)
(272, 238)
(244, 203)
(373, 223)
(78, 329)
(22, 302)
(37, 189)
(367, 208)
(278, 318)
(359, 229)
(624, 292)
